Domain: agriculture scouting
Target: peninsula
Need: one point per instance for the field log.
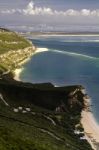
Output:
(36, 116)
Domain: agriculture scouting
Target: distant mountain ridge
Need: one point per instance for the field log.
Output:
(4, 30)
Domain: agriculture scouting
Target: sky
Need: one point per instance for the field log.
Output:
(50, 14)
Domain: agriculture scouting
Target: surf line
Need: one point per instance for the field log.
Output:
(74, 54)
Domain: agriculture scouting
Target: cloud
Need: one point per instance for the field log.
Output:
(32, 10)
(11, 11)
(8, 11)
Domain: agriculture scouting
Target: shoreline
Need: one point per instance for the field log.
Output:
(18, 71)
(91, 127)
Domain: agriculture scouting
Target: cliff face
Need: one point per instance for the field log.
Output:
(46, 96)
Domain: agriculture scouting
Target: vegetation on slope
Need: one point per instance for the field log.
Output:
(13, 50)
(12, 41)
(42, 127)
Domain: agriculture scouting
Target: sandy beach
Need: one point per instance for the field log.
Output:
(18, 71)
(17, 74)
(91, 129)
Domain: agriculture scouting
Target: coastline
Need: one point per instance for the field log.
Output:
(91, 127)
(18, 71)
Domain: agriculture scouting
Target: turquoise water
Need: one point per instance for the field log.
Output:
(69, 60)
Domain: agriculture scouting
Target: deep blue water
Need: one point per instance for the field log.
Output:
(69, 60)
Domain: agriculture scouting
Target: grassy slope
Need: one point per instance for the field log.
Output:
(23, 131)
(12, 41)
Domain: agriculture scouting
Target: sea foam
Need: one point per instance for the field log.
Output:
(39, 50)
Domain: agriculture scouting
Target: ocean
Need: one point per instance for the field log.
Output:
(68, 60)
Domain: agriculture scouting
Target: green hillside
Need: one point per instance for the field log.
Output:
(11, 41)
(13, 50)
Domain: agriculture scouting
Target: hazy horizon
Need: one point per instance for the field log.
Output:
(48, 15)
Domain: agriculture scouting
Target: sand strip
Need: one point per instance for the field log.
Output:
(91, 129)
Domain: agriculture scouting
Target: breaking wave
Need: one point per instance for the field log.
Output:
(75, 54)
(40, 50)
